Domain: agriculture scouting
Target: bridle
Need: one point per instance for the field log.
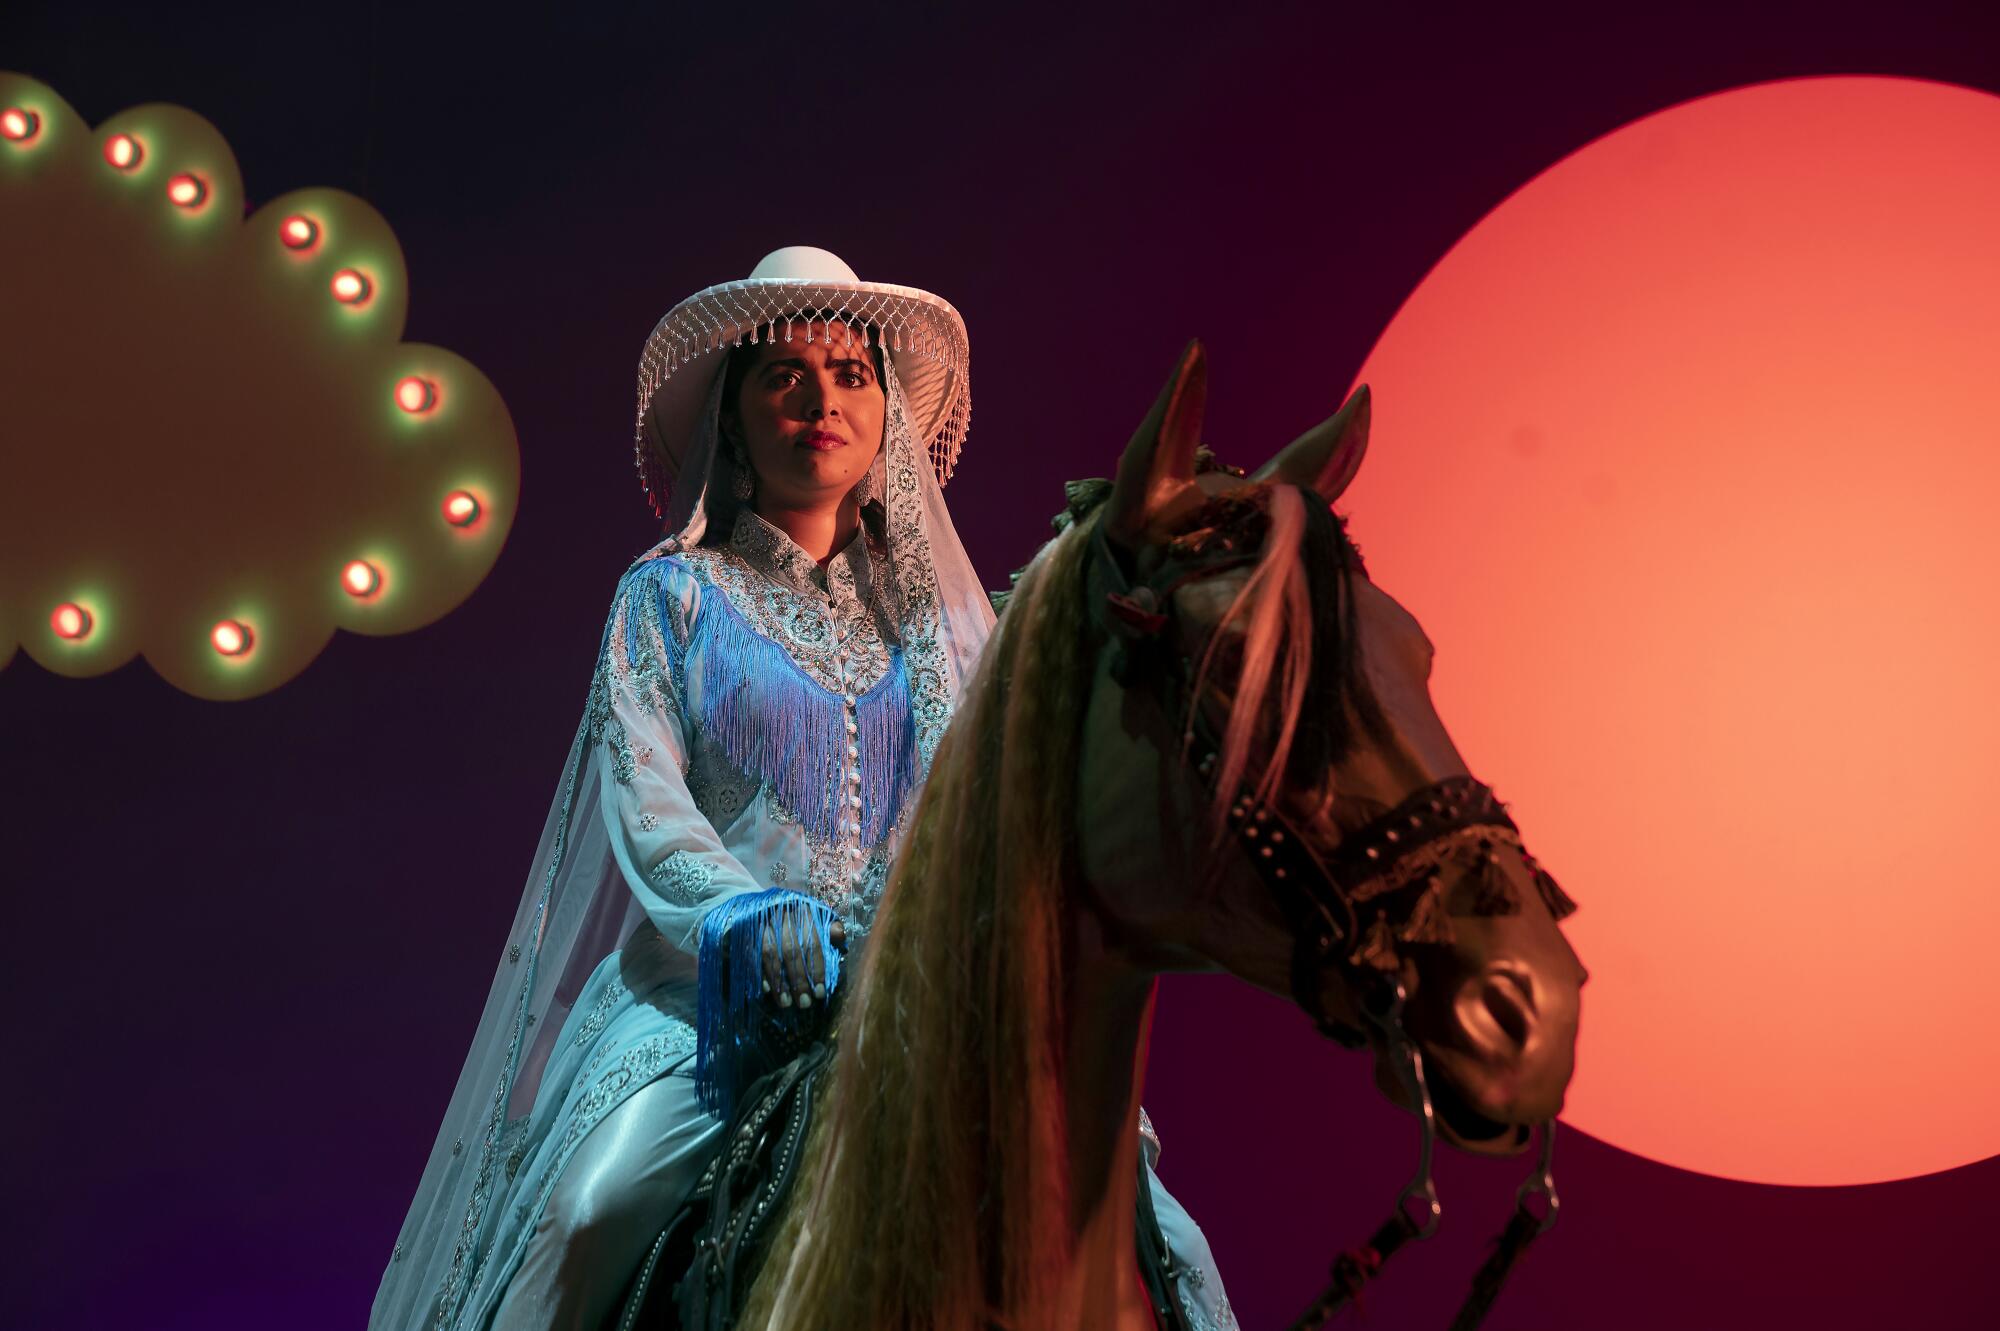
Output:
(1346, 912)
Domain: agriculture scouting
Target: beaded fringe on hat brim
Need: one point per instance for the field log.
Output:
(904, 321)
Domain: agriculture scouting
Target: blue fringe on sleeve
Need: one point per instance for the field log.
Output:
(730, 1020)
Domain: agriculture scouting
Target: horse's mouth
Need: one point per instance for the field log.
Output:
(1465, 1127)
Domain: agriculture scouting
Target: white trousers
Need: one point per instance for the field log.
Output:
(626, 1180)
(633, 1171)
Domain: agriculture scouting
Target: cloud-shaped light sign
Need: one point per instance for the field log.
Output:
(214, 448)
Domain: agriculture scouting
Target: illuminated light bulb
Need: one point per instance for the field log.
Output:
(414, 394)
(70, 621)
(461, 509)
(231, 637)
(361, 578)
(19, 124)
(349, 287)
(298, 233)
(187, 191)
(123, 151)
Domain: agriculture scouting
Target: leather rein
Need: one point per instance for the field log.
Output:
(1339, 908)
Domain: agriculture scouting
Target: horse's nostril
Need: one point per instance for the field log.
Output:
(1503, 1004)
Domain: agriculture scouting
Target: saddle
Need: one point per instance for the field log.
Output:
(720, 1237)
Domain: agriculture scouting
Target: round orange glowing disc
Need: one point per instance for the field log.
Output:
(1687, 456)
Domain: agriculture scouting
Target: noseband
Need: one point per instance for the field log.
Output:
(1383, 885)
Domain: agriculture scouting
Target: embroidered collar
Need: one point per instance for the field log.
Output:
(778, 557)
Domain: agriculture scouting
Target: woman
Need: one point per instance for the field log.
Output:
(770, 688)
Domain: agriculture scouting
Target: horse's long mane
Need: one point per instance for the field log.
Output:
(943, 1137)
(934, 1189)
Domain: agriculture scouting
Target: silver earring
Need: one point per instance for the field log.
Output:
(865, 489)
(744, 484)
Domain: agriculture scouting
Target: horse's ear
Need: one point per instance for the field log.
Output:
(1325, 458)
(1159, 462)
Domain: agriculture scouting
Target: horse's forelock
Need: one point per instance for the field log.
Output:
(1276, 652)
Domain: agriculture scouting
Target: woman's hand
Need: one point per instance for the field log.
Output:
(793, 972)
(762, 957)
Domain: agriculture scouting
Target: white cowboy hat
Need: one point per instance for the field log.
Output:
(922, 334)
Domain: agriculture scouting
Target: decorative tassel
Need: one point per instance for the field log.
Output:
(1495, 894)
(1430, 921)
(1558, 901)
(777, 723)
(1378, 947)
(737, 1037)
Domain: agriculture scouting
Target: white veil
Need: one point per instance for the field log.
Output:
(576, 909)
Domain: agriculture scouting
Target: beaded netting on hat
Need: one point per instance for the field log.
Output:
(921, 332)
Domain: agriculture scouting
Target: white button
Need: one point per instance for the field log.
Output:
(849, 699)
(854, 800)
(854, 751)
(853, 729)
(854, 778)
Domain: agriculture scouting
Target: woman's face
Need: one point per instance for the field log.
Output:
(809, 415)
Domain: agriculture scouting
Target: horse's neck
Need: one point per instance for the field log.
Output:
(1108, 1022)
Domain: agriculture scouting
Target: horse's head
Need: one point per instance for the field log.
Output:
(1267, 789)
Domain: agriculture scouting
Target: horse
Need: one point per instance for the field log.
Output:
(1201, 739)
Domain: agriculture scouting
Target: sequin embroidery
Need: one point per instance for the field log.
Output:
(683, 878)
(600, 1015)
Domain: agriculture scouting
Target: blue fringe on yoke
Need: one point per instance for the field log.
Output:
(780, 725)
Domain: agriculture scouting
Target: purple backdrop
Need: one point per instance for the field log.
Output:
(250, 940)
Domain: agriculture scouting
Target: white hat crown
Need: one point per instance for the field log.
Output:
(803, 263)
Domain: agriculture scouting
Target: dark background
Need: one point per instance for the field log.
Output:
(247, 943)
